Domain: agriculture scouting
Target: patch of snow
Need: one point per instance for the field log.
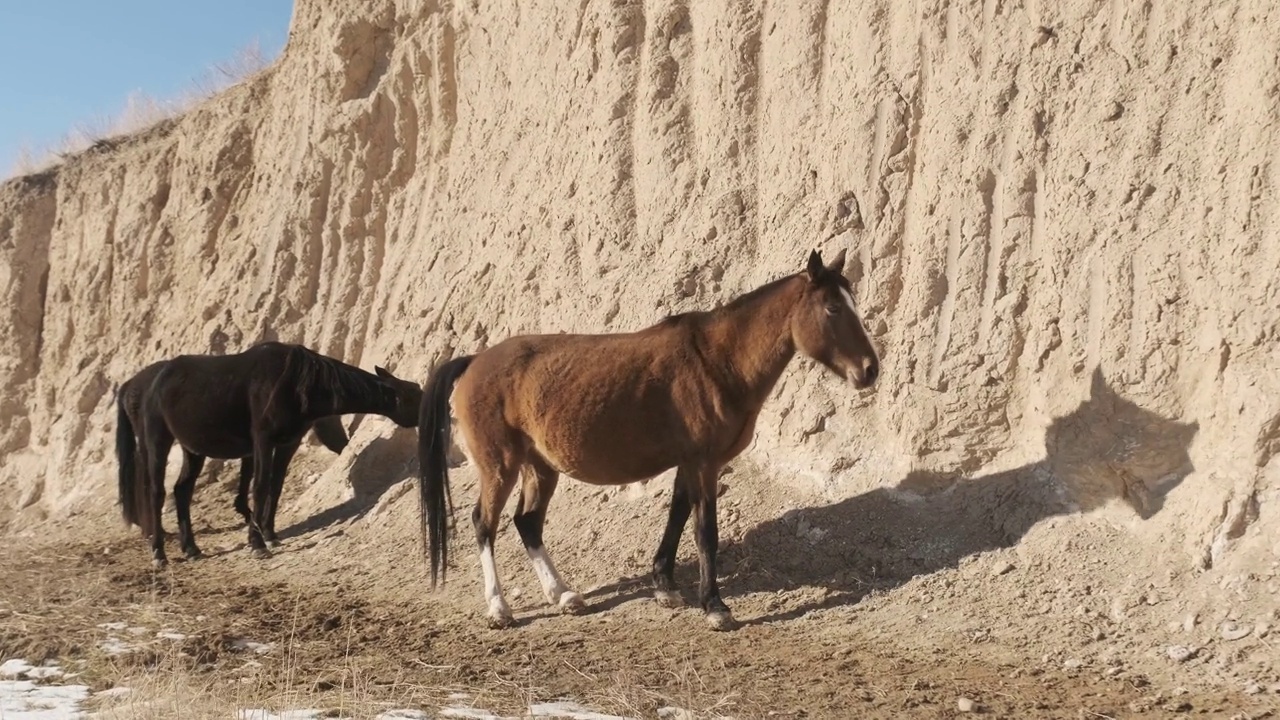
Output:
(257, 647)
(570, 710)
(15, 667)
(44, 673)
(403, 714)
(259, 714)
(115, 692)
(470, 713)
(116, 626)
(170, 635)
(25, 700)
(115, 646)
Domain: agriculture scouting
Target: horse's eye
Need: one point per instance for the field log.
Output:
(833, 309)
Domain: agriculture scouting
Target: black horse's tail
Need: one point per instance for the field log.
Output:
(433, 446)
(134, 498)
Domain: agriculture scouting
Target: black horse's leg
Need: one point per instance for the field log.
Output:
(158, 442)
(708, 539)
(242, 489)
(664, 562)
(263, 451)
(182, 492)
(283, 456)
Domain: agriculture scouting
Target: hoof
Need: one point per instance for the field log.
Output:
(260, 553)
(274, 542)
(500, 614)
(668, 599)
(571, 603)
(194, 554)
(159, 563)
(500, 619)
(721, 620)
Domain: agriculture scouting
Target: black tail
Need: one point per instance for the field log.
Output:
(126, 455)
(433, 445)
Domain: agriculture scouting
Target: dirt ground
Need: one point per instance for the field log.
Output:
(342, 618)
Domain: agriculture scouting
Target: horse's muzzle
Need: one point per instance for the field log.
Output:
(867, 375)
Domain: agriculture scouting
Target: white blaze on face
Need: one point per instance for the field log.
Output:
(848, 299)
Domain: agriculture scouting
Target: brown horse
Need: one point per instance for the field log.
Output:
(617, 408)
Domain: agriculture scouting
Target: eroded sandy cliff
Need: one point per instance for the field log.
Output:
(1062, 218)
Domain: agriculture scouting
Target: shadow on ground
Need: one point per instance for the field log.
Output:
(1109, 448)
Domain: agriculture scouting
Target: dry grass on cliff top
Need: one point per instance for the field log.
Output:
(141, 111)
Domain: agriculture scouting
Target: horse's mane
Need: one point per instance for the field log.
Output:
(734, 304)
(314, 375)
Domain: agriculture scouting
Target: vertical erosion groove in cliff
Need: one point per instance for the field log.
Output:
(1057, 213)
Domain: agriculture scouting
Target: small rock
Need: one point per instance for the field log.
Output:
(1072, 663)
(802, 528)
(1252, 688)
(1113, 671)
(1181, 653)
(515, 593)
(965, 705)
(1262, 630)
(674, 713)
(1001, 568)
(1189, 622)
(1231, 631)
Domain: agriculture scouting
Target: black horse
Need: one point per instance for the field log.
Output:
(328, 429)
(255, 405)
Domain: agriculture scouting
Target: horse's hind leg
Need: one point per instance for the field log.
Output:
(182, 492)
(497, 478)
(158, 442)
(531, 514)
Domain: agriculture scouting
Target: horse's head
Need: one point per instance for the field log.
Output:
(408, 398)
(826, 327)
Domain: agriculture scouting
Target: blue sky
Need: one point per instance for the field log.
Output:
(66, 62)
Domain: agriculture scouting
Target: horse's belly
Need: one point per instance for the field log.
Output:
(211, 439)
(591, 465)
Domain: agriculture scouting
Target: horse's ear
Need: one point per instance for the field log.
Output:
(383, 372)
(837, 265)
(815, 266)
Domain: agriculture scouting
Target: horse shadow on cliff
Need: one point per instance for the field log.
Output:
(1107, 449)
(374, 470)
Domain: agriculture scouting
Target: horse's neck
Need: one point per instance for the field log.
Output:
(752, 341)
(361, 393)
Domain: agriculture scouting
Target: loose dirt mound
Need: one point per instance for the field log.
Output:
(1063, 227)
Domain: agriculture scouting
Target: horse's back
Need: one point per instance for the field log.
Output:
(206, 401)
(602, 408)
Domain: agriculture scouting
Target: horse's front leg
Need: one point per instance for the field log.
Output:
(280, 466)
(263, 457)
(242, 490)
(664, 561)
(708, 538)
